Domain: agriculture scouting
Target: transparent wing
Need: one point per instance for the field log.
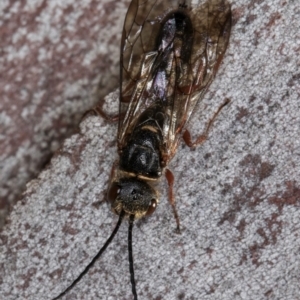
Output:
(170, 52)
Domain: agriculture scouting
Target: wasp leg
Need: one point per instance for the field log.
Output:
(170, 178)
(106, 193)
(203, 137)
(112, 172)
(98, 111)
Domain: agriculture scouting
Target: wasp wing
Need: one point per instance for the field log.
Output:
(170, 52)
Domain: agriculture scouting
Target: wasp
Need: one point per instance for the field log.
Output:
(170, 53)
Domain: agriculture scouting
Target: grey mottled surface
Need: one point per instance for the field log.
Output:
(238, 194)
(57, 59)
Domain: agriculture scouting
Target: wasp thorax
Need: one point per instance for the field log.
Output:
(134, 196)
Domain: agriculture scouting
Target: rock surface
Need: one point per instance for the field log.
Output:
(238, 194)
(57, 59)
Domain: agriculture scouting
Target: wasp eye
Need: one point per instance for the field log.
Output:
(113, 192)
(151, 207)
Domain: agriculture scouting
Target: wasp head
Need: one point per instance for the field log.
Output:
(133, 196)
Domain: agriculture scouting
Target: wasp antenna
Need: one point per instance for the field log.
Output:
(122, 214)
(130, 256)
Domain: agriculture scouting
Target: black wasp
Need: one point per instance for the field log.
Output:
(170, 52)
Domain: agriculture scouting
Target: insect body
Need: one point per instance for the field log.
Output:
(170, 52)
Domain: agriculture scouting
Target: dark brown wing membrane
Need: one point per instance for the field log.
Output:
(190, 58)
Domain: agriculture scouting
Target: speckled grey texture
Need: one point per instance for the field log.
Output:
(57, 59)
(238, 194)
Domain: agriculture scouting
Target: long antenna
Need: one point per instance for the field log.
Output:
(95, 258)
(130, 256)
